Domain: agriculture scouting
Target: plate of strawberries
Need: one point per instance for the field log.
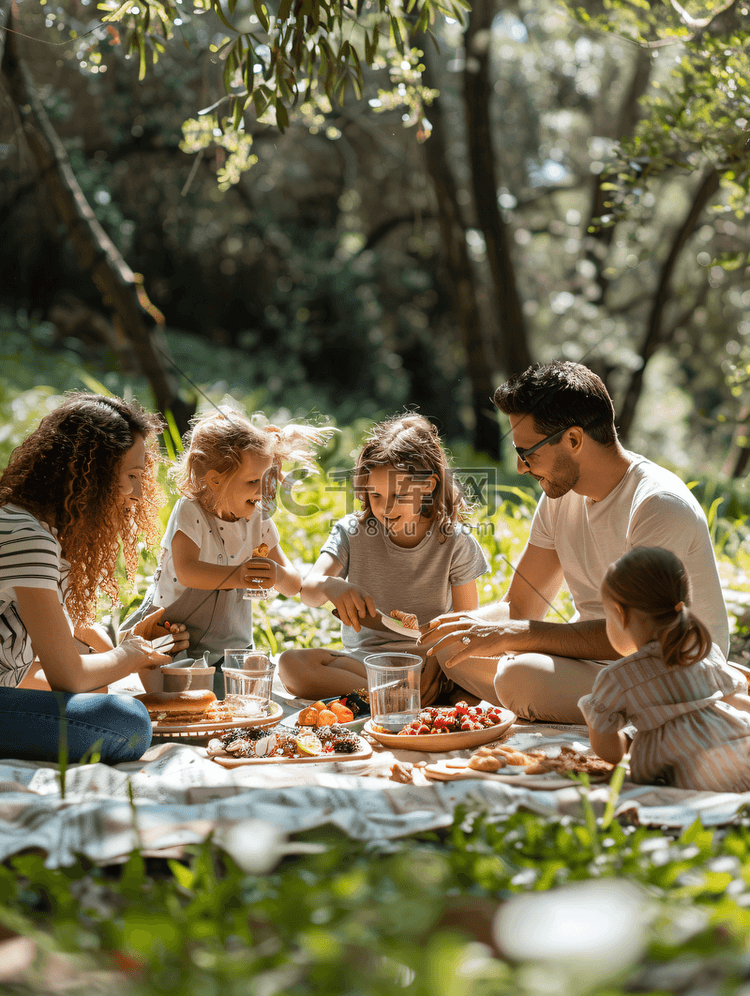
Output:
(442, 728)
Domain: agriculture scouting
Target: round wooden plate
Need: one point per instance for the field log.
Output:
(209, 726)
(439, 742)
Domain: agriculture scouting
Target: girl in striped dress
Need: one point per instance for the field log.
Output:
(689, 707)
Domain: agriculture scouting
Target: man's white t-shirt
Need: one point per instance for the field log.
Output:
(650, 506)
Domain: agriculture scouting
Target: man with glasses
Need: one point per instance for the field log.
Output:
(599, 501)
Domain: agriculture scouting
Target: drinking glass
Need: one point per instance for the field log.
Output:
(248, 679)
(393, 684)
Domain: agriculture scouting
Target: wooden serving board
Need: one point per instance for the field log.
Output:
(227, 761)
(455, 770)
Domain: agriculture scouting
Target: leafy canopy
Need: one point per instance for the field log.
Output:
(697, 112)
(275, 56)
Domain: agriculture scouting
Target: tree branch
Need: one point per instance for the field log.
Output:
(122, 292)
(707, 188)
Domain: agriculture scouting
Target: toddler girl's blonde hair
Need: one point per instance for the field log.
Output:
(654, 581)
(412, 444)
(218, 441)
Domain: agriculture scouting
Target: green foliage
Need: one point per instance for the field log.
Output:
(201, 133)
(351, 917)
(697, 115)
(276, 56)
(27, 369)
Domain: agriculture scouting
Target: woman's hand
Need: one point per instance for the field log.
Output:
(167, 637)
(141, 652)
(259, 572)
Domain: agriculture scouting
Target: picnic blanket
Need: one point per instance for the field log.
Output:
(175, 796)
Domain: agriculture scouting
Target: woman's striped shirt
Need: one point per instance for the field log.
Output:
(30, 557)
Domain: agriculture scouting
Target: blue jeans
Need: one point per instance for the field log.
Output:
(30, 721)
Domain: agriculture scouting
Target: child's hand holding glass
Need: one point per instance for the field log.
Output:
(259, 575)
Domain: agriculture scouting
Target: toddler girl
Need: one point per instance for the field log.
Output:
(689, 706)
(406, 550)
(220, 541)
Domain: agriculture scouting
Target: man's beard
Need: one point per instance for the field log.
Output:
(563, 477)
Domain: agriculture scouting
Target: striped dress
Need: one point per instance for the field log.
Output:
(687, 735)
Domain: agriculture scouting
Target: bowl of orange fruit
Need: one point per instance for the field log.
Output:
(351, 711)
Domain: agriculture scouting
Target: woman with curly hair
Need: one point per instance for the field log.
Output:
(81, 487)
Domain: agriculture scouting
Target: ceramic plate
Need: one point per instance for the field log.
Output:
(227, 761)
(209, 726)
(356, 724)
(396, 626)
(439, 742)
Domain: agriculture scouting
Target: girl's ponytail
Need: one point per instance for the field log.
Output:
(653, 581)
(686, 641)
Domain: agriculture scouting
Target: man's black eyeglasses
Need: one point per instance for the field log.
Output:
(523, 454)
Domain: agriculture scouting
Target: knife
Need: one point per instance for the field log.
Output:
(382, 621)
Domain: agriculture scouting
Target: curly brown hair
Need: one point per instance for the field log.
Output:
(66, 473)
(412, 444)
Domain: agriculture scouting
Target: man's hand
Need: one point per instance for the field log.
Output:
(468, 638)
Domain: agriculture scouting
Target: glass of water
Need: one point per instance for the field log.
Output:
(393, 684)
(248, 680)
(258, 592)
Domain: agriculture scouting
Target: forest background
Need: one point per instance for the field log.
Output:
(311, 207)
(405, 211)
(332, 212)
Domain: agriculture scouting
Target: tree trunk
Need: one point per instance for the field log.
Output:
(513, 347)
(453, 231)
(122, 293)
(743, 459)
(738, 457)
(600, 238)
(626, 411)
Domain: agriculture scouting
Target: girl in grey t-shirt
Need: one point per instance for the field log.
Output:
(406, 550)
